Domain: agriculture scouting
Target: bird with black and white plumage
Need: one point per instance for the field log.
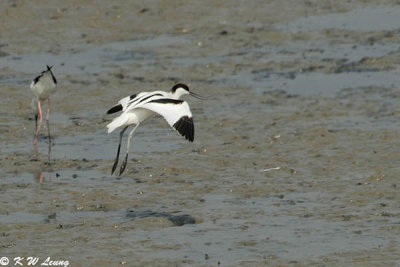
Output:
(42, 87)
(140, 107)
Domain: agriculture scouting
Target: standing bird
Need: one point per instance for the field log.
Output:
(42, 87)
(138, 108)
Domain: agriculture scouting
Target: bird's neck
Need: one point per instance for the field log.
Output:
(175, 96)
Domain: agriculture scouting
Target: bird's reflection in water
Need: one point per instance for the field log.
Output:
(44, 167)
(37, 154)
(42, 176)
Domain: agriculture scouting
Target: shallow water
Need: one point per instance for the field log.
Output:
(295, 159)
(95, 59)
(383, 17)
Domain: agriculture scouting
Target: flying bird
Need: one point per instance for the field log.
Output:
(139, 107)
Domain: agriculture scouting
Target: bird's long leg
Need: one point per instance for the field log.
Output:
(34, 102)
(121, 170)
(119, 148)
(36, 118)
(40, 123)
(48, 128)
(48, 119)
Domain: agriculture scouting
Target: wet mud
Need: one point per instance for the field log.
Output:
(295, 160)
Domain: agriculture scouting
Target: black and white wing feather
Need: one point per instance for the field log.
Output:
(176, 112)
(131, 101)
(123, 103)
(36, 80)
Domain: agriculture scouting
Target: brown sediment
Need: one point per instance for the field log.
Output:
(295, 160)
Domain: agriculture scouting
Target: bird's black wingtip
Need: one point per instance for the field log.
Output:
(114, 109)
(49, 67)
(185, 127)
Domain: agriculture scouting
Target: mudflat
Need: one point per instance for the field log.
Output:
(296, 154)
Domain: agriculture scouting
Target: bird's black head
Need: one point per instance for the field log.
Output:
(179, 85)
(181, 89)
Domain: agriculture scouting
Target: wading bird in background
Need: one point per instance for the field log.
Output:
(138, 108)
(42, 87)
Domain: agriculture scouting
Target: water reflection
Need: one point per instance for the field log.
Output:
(49, 144)
(43, 167)
(42, 176)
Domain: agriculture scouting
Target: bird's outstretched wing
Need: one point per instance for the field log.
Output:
(133, 100)
(122, 104)
(176, 112)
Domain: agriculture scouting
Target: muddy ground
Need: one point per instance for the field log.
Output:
(296, 155)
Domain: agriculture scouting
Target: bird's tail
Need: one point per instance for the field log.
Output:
(116, 123)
